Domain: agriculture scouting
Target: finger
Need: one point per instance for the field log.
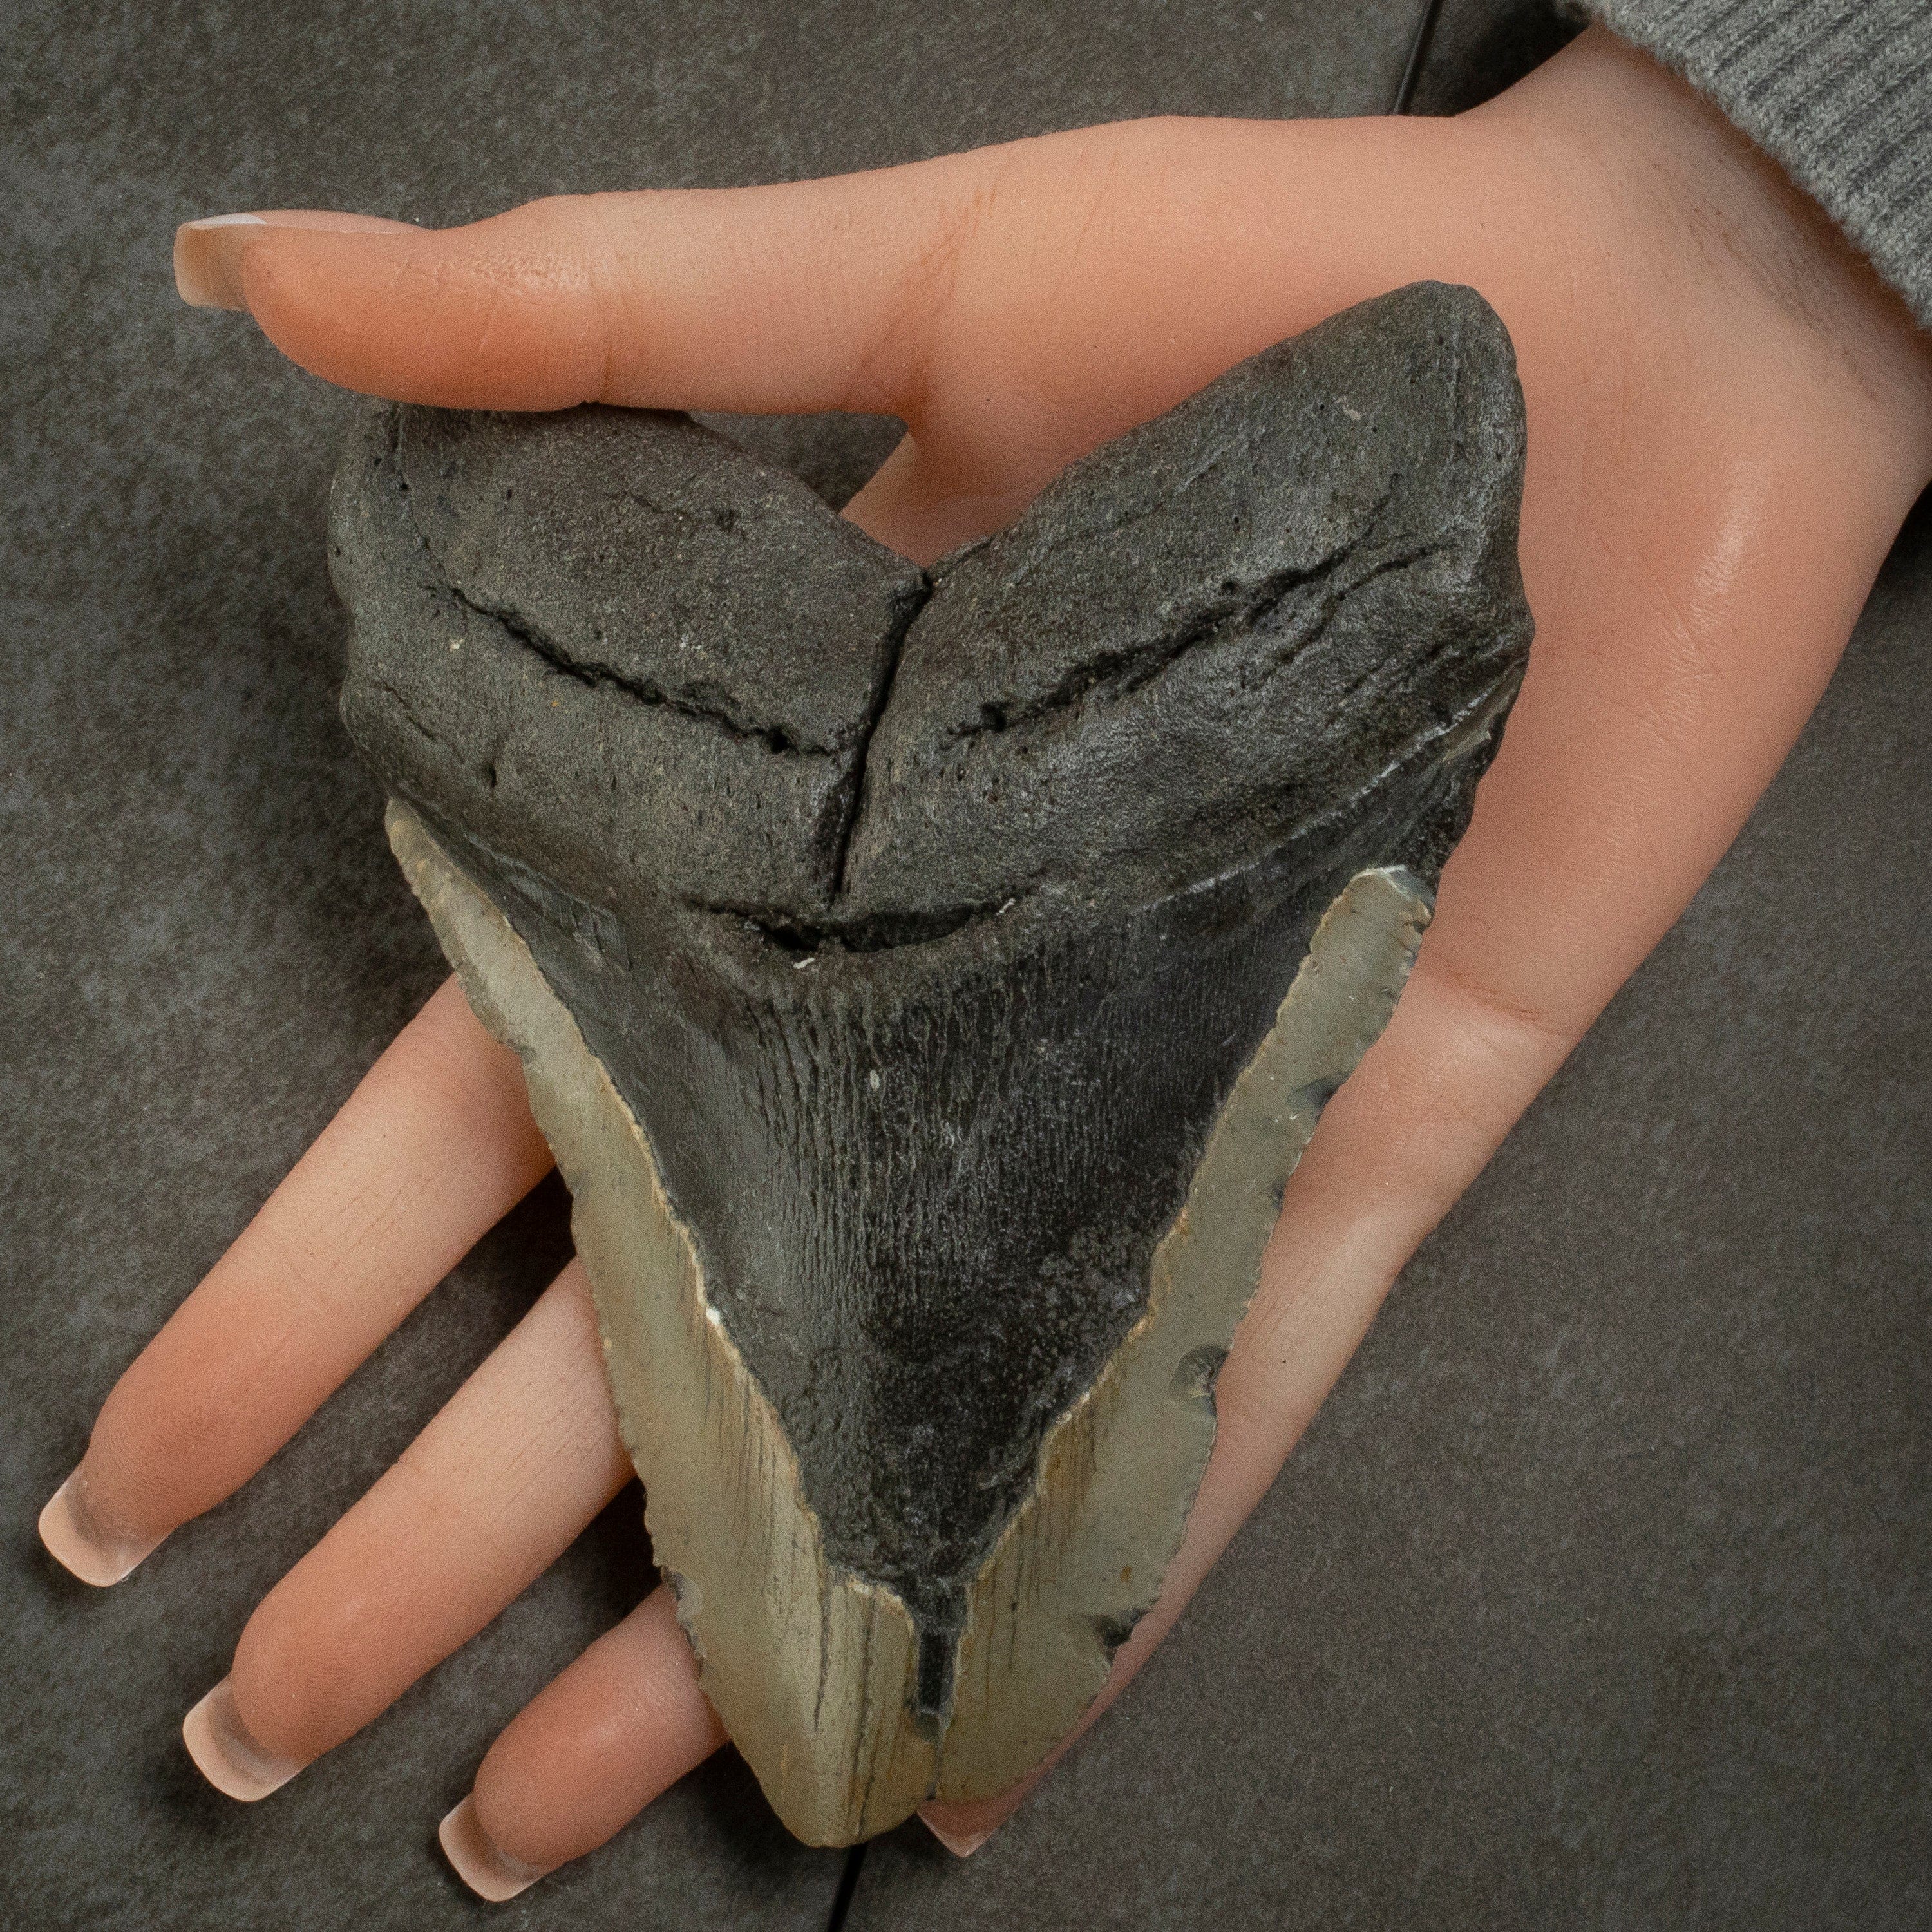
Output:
(897, 290)
(206, 258)
(490, 1494)
(1015, 305)
(598, 298)
(432, 1148)
(623, 1723)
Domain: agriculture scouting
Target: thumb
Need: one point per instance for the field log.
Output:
(1015, 305)
(795, 297)
(208, 252)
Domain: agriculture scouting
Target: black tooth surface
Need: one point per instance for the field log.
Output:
(928, 1013)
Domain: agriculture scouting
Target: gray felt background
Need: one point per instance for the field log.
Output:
(1598, 1594)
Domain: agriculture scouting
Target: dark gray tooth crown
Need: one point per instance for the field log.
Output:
(896, 955)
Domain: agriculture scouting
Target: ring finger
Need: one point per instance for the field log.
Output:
(434, 1147)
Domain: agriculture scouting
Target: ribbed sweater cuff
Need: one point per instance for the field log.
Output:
(1839, 92)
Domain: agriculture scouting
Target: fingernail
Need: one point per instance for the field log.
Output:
(77, 1543)
(208, 259)
(489, 1872)
(226, 1756)
(208, 253)
(960, 1844)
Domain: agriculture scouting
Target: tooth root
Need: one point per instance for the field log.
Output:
(814, 1671)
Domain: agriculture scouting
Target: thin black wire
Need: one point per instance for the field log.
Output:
(1418, 57)
(848, 1888)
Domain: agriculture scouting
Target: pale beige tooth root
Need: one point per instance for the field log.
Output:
(490, 1873)
(75, 1542)
(225, 1754)
(208, 259)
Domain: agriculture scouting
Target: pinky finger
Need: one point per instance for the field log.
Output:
(585, 1756)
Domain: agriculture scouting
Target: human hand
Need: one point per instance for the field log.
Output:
(1728, 418)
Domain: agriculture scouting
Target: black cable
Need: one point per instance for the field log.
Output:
(1418, 56)
(848, 1888)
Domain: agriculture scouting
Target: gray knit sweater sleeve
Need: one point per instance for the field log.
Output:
(1838, 91)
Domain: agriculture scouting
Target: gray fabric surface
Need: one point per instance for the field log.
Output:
(1478, 47)
(1839, 92)
(1601, 1592)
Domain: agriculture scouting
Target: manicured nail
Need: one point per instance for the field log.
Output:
(76, 1542)
(208, 259)
(226, 1756)
(208, 253)
(489, 1872)
(960, 1844)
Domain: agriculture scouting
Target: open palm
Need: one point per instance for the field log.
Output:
(1728, 419)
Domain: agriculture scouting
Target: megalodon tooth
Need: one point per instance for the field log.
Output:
(928, 980)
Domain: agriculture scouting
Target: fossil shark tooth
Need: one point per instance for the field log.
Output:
(928, 981)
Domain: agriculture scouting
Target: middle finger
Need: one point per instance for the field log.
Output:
(512, 1468)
